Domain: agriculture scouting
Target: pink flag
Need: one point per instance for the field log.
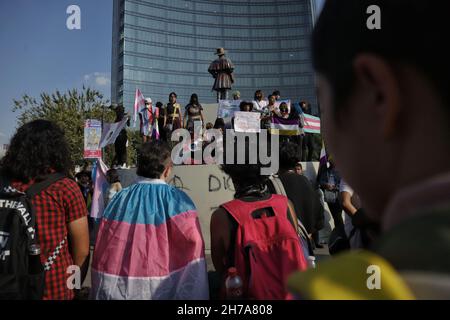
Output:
(139, 103)
(100, 189)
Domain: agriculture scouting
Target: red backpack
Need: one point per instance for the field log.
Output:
(267, 248)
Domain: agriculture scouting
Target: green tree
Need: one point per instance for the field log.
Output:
(69, 110)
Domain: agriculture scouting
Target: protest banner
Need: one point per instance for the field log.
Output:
(226, 110)
(111, 132)
(248, 122)
(92, 136)
(312, 124)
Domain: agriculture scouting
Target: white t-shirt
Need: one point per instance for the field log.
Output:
(355, 240)
(260, 105)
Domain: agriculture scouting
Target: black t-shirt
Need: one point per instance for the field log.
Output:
(305, 199)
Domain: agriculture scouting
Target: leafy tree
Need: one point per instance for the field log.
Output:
(69, 110)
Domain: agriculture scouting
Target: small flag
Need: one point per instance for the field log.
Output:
(284, 127)
(100, 188)
(111, 131)
(139, 103)
(323, 156)
(312, 124)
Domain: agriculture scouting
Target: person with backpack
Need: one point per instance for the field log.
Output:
(54, 227)
(299, 190)
(256, 233)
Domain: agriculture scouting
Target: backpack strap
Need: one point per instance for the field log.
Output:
(37, 188)
(278, 185)
(34, 190)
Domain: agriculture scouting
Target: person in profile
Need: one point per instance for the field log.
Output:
(372, 95)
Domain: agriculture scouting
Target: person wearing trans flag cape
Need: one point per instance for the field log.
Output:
(148, 117)
(150, 245)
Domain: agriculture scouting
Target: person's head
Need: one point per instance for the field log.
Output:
(148, 103)
(277, 94)
(153, 160)
(246, 106)
(112, 176)
(290, 155)
(159, 105)
(245, 174)
(84, 178)
(236, 95)
(271, 99)
(219, 124)
(305, 106)
(120, 112)
(384, 93)
(299, 168)
(259, 95)
(37, 149)
(284, 109)
(209, 125)
(173, 97)
(194, 98)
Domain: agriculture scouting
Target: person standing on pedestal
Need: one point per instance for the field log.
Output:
(222, 71)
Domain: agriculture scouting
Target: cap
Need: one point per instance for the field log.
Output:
(148, 101)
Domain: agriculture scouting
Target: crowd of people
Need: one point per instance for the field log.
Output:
(158, 123)
(150, 245)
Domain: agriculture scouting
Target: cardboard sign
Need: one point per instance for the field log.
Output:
(92, 136)
(248, 122)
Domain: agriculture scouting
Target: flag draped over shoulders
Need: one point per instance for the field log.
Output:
(150, 246)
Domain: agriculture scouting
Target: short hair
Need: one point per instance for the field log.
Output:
(290, 155)
(276, 93)
(152, 159)
(159, 104)
(412, 33)
(37, 149)
(113, 176)
(209, 125)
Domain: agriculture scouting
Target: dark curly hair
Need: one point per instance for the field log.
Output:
(152, 159)
(247, 174)
(37, 149)
(290, 155)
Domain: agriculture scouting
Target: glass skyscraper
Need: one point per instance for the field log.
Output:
(160, 46)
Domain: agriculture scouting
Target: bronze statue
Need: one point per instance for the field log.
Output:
(222, 71)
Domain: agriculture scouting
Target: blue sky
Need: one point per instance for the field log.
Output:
(39, 54)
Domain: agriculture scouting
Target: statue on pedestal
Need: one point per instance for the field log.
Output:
(222, 71)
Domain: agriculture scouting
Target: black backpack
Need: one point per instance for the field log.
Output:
(21, 278)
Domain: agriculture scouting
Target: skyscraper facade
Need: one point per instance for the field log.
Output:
(160, 46)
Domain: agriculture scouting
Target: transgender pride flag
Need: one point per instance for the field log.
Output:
(150, 247)
(312, 124)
